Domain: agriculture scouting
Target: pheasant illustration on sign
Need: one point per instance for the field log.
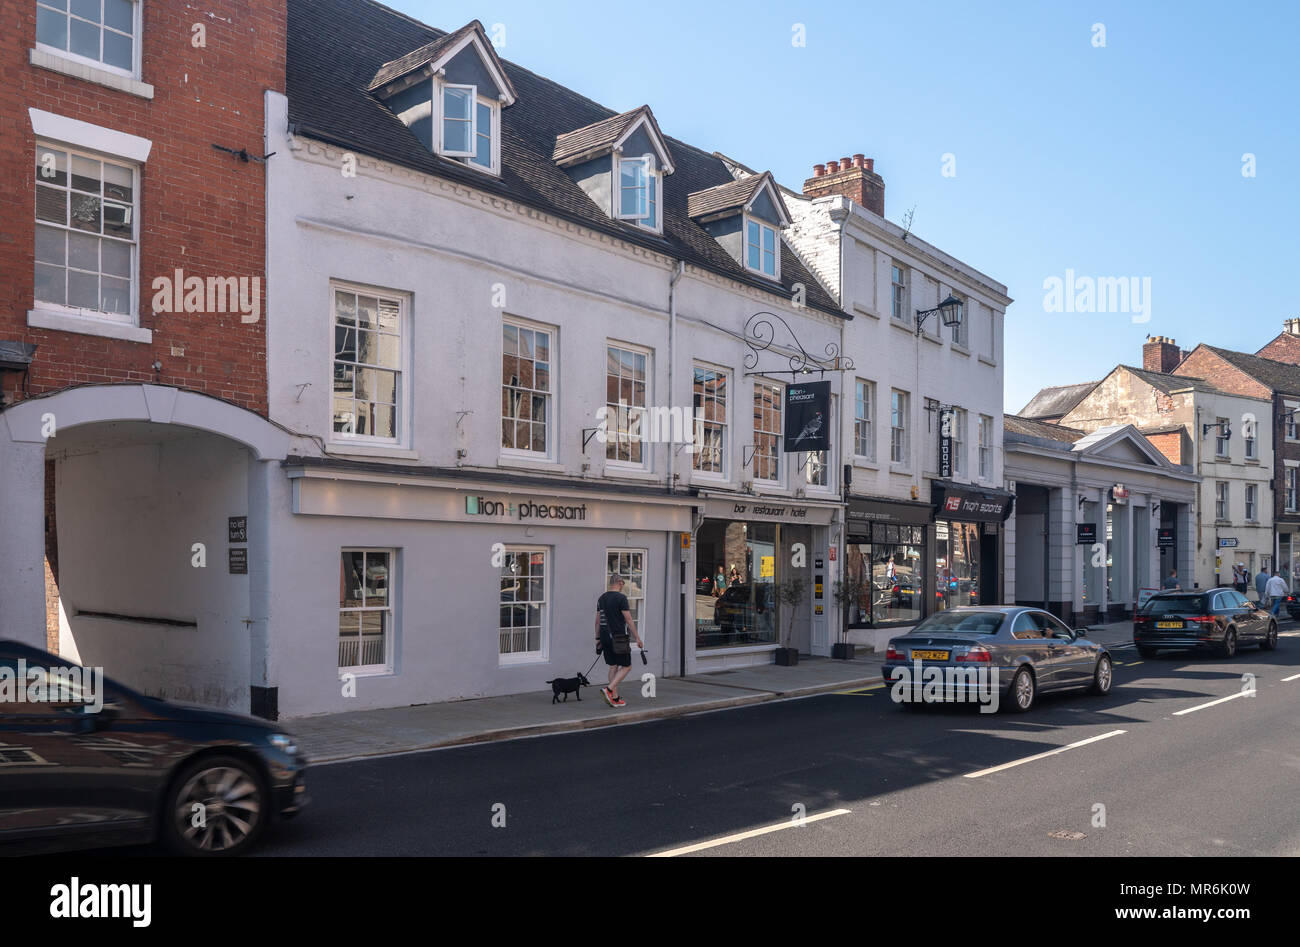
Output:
(807, 407)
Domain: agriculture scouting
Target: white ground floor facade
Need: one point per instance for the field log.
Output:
(197, 552)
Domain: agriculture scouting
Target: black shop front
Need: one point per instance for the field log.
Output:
(968, 537)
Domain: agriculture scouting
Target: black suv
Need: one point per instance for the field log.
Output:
(85, 762)
(1221, 619)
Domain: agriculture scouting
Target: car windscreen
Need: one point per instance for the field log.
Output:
(1175, 605)
(961, 623)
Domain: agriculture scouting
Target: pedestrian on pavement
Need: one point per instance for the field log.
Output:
(1261, 581)
(1171, 581)
(613, 624)
(1239, 577)
(719, 583)
(1277, 592)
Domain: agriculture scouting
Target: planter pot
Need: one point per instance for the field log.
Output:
(843, 651)
(787, 657)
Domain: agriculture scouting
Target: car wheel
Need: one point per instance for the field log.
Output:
(1102, 677)
(1270, 639)
(218, 805)
(1229, 647)
(1147, 652)
(1023, 691)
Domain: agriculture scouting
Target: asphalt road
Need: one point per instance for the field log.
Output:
(1177, 781)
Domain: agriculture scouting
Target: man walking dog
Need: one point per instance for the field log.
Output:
(613, 622)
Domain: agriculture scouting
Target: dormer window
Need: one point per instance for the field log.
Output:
(638, 191)
(760, 248)
(450, 94)
(468, 126)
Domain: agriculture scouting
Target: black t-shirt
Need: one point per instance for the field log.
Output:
(611, 606)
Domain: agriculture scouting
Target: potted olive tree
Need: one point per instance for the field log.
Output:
(847, 592)
(790, 592)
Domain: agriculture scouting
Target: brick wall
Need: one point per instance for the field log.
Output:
(200, 210)
(1285, 348)
(853, 178)
(1170, 444)
(1225, 376)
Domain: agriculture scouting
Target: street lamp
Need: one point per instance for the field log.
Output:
(1224, 428)
(949, 310)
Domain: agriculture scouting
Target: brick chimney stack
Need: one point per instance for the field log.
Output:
(1291, 326)
(1161, 354)
(854, 178)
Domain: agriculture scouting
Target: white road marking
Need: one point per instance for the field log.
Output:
(1039, 756)
(1179, 713)
(1291, 678)
(741, 836)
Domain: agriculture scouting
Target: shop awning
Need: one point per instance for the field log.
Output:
(964, 501)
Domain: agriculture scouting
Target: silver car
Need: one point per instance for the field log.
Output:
(972, 652)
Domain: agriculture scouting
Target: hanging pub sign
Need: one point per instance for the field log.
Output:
(807, 417)
(1119, 494)
(1085, 533)
(945, 443)
(1165, 537)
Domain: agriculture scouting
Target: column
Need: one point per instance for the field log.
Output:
(22, 539)
(264, 696)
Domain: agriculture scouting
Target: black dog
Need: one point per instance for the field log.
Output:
(567, 686)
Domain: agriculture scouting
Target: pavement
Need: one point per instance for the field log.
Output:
(330, 738)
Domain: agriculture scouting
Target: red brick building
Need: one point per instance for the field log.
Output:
(132, 282)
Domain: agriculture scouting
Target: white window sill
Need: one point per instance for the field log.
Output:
(530, 463)
(902, 326)
(934, 339)
(862, 311)
(900, 469)
(631, 473)
(522, 659)
(961, 350)
(368, 671)
(80, 70)
(988, 361)
(866, 462)
(371, 450)
(87, 325)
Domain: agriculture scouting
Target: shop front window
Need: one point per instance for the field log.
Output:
(957, 564)
(890, 568)
(736, 569)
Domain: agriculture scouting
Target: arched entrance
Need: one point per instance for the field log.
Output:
(116, 538)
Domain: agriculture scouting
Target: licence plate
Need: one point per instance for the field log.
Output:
(929, 655)
(1169, 624)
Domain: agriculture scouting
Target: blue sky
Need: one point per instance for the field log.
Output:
(1122, 161)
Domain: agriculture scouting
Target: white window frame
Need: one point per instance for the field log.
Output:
(986, 447)
(779, 433)
(553, 395)
(1251, 444)
(637, 615)
(1291, 428)
(137, 41)
(904, 428)
(442, 88)
(638, 416)
(132, 316)
(1252, 502)
(1222, 500)
(762, 226)
(390, 637)
(653, 177)
(1291, 494)
(542, 655)
(724, 463)
(494, 145)
(864, 393)
(402, 427)
(1222, 449)
(899, 291)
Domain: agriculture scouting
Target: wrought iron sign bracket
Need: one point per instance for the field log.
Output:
(587, 434)
(760, 333)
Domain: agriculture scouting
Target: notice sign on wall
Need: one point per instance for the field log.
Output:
(807, 417)
(238, 561)
(237, 527)
(1165, 537)
(1085, 533)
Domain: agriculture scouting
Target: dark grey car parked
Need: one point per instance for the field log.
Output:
(1027, 651)
(83, 765)
(1220, 619)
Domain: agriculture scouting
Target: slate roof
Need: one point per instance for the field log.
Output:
(1279, 376)
(1030, 427)
(422, 56)
(1168, 383)
(1056, 402)
(727, 196)
(336, 48)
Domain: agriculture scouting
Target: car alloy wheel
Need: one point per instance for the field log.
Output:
(1022, 691)
(1229, 647)
(1101, 678)
(218, 808)
(1270, 640)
